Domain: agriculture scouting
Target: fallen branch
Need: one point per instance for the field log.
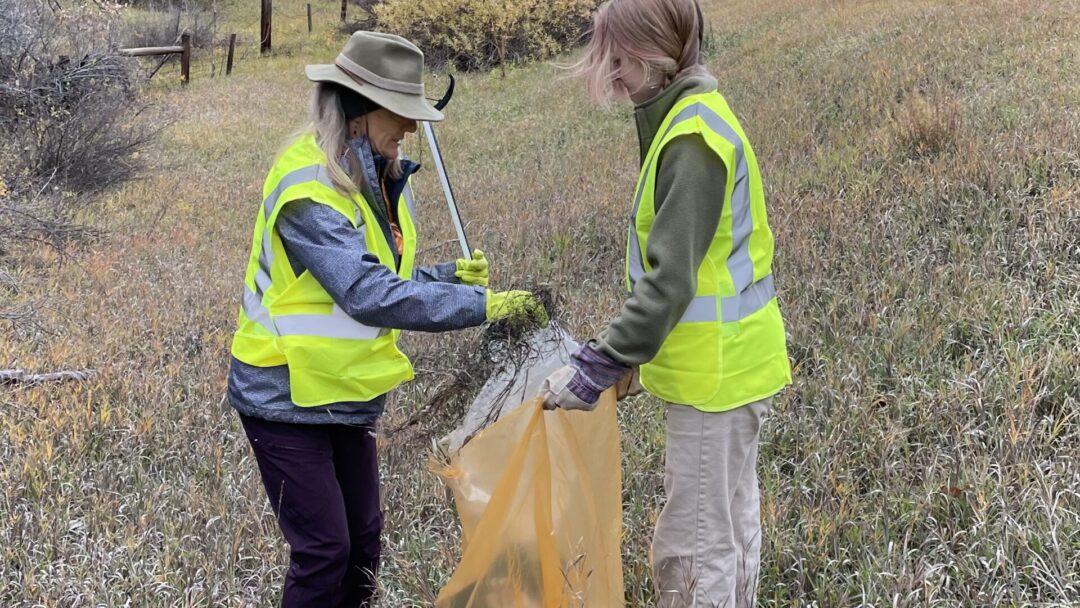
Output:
(18, 376)
(163, 61)
(24, 313)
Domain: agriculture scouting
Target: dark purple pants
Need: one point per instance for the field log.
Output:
(323, 484)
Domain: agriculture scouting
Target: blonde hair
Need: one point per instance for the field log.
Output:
(327, 122)
(659, 35)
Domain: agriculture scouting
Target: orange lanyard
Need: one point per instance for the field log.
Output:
(399, 239)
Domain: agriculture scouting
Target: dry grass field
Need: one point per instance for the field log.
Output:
(922, 163)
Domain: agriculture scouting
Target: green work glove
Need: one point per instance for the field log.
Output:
(474, 271)
(515, 305)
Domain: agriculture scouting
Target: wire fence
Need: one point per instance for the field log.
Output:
(289, 24)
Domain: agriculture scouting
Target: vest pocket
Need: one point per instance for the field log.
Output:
(324, 371)
(254, 348)
(688, 367)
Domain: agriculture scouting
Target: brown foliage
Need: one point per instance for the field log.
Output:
(478, 34)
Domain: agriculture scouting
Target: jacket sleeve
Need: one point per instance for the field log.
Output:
(689, 198)
(325, 243)
(439, 273)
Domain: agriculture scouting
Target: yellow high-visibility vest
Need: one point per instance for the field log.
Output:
(289, 319)
(729, 348)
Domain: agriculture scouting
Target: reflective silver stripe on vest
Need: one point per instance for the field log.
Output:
(701, 308)
(751, 300)
(310, 173)
(410, 202)
(751, 296)
(317, 173)
(262, 281)
(251, 302)
(739, 264)
(733, 308)
(338, 324)
(637, 267)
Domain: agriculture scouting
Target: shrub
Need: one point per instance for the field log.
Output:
(68, 117)
(925, 127)
(163, 27)
(361, 16)
(477, 34)
(170, 5)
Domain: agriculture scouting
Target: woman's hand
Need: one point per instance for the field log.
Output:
(558, 393)
(578, 386)
(474, 271)
(515, 305)
(629, 385)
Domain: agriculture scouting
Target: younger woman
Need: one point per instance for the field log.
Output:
(701, 319)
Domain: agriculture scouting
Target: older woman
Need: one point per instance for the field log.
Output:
(330, 283)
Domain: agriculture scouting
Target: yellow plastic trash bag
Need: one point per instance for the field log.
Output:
(539, 496)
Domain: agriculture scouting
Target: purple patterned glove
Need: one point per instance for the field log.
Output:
(596, 372)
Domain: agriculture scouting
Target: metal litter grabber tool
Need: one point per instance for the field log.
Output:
(440, 166)
(516, 382)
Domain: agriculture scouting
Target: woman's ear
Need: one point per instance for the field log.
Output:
(354, 128)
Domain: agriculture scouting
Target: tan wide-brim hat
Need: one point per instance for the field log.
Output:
(384, 68)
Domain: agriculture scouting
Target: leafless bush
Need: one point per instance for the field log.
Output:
(477, 34)
(36, 215)
(68, 114)
(169, 5)
(164, 26)
(360, 16)
(70, 125)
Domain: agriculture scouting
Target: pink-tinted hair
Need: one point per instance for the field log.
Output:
(660, 35)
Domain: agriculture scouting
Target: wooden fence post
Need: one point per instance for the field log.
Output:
(264, 41)
(228, 61)
(309, 18)
(344, 3)
(185, 57)
(149, 51)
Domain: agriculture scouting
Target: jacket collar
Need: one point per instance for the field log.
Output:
(374, 166)
(651, 114)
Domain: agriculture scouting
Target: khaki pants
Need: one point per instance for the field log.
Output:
(707, 545)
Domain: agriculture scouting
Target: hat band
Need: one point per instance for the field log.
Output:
(356, 70)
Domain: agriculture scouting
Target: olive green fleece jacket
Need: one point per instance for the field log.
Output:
(690, 182)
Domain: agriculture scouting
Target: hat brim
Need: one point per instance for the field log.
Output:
(402, 104)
